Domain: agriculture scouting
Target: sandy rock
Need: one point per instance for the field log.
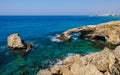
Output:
(78, 60)
(56, 69)
(107, 73)
(69, 60)
(116, 67)
(16, 44)
(117, 53)
(66, 70)
(14, 41)
(104, 32)
(85, 70)
(75, 69)
(102, 60)
(73, 59)
(44, 72)
(105, 62)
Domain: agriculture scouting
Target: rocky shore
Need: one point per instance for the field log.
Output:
(106, 62)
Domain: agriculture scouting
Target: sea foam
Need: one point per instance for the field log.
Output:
(54, 38)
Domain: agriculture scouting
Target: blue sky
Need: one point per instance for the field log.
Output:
(59, 7)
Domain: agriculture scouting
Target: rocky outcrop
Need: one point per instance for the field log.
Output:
(44, 72)
(102, 32)
(106, 62)
(15, 43)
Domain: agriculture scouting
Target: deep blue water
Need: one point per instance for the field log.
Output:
(39, 30)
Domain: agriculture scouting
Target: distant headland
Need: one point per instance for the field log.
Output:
(108, 15)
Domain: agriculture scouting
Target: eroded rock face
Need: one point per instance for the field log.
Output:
(102, 60)
(108, 32)
(15, 43)
(101, 63)
(85, 70)
(44, 72)
(106, 62)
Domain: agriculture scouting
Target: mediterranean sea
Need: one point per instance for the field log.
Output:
(40, 32)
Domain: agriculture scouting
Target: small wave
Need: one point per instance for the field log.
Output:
(74, 38)
(59, 63)
(54, 38)
(91, 26)
(3, 48)
(33, 42)
(70, 54)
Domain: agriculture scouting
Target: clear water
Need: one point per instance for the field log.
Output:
(39, 30)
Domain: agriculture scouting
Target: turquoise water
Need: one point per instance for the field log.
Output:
(39, 31)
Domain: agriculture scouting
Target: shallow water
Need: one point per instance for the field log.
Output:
(40, 31)
(44, 54)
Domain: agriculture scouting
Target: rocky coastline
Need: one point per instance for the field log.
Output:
(108, 32)
(102, 63)
(106, 62)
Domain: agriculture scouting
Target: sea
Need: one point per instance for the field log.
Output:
(40, 31)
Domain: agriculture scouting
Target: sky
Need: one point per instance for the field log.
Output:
(59, 7)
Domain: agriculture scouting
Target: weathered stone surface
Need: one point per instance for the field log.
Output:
(66, 70)
(69, 60)
(73, 59)
(102, 60)
(117, 53)
(44, 72)
(105, 62)
(107, 73)
(14, 41)
(56, 69)
(85, 70)
(103, 32)
(115, 70)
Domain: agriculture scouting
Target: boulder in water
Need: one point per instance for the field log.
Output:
(15, 43)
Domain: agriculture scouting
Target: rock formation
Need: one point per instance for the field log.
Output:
(15, 43)
(102, 32)
(106, 62)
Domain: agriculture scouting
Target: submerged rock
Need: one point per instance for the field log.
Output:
(108, 32)
(15, 43)
(105, 62)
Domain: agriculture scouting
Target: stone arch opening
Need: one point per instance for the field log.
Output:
(100, 38)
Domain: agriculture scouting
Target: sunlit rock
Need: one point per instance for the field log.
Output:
(16, 44)
(108, 32)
